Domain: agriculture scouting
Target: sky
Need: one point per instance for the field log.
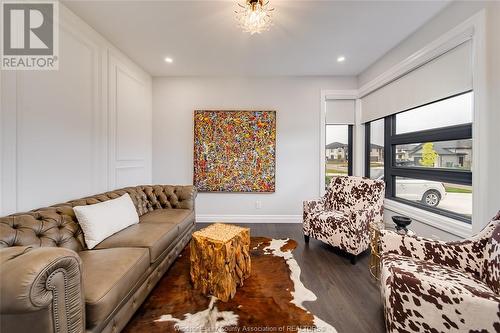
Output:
(336, 133)
(377, 132)
(452, 111)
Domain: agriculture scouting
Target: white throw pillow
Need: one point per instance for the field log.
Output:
(99, 221)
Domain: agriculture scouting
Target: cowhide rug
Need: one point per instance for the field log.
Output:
(272, 299)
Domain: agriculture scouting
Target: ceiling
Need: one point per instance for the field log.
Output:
(307, 37)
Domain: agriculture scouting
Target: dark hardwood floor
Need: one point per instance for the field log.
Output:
(348, 298)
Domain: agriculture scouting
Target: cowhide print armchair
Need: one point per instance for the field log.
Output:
(434, 286)
(342, 216)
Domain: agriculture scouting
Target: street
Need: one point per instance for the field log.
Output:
(457, 202)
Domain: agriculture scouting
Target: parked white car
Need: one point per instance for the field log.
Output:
(428, 192)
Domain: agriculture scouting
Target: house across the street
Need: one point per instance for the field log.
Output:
(450, 154)
(376, 153)
(337, 151)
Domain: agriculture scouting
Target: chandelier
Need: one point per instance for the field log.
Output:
(254, 16)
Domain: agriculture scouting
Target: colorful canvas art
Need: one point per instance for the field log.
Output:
(234, 151)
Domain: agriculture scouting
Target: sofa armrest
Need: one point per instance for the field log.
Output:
(465, 254)
(37, 279)
(186, 195)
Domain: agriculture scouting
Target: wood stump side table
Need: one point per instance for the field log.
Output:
(220, 259)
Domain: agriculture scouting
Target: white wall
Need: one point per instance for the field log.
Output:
(493, 104)
(297, 102)
(453, 15)
(83, 129)
(87, 127)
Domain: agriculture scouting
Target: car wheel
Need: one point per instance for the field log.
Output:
(431, 198)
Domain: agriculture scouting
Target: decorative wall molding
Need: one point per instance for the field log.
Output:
(93, 136)
(77, 30)
(209, 218)
(8, 142)
(20, 194)
(125, 165)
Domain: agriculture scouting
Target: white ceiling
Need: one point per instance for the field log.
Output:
(307, 37)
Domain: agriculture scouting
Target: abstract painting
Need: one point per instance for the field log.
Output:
(234, 151)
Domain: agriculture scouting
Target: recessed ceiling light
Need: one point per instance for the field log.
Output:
(341, 59)
(169, 60)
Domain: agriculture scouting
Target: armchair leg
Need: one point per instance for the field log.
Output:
(306, 239)
(353, 259)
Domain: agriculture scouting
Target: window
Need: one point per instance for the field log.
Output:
(374, 132)
(448, 112)
(427, 156)
(454, 154)
(453, 198)
(338, 151)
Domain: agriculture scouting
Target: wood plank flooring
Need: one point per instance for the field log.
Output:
(348, 298)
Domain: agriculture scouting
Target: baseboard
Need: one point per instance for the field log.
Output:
(204, 218)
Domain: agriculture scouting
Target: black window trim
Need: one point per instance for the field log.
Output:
(349, 149)
(368, 149)
(391, 171)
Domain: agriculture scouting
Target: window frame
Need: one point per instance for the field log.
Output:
(326, 95)
(350, 141)
(368, 147)
(391, 171)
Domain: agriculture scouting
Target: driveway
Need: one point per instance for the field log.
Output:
(457, 202)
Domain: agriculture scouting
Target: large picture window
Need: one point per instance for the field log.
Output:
(427, 156)
(338, 151)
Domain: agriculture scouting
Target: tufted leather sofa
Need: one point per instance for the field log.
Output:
(51, 282)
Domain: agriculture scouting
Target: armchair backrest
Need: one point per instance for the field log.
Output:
(349, 193)
(491, 271)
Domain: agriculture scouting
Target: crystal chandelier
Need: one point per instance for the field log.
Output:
(254, 16)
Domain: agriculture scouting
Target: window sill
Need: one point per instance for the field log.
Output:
(452, 226)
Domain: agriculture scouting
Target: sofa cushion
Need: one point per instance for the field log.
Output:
(186, 222)
(109, 275)
(157, 237)
(183, 217)
(420, 294)
(166, 215)
(334, 228)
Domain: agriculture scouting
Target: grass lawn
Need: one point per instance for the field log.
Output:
(451, 189)
(336, 171)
